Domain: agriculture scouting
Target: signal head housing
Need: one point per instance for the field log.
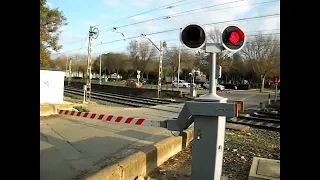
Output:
(233, 38)
(193, 36)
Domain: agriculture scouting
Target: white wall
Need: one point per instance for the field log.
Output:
(51, 86)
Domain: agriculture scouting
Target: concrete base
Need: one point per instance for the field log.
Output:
(274, 104)
(264, 169)
(47, 109)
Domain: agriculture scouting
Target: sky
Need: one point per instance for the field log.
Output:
(107, 14)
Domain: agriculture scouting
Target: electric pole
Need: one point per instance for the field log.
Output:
(93, 34)
(160, 70)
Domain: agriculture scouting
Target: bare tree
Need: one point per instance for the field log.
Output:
(140, 54)
(214, 36)
(171, 60)
(133, 49)
(264, 55)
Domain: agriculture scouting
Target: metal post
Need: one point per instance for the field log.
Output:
(160, 70)
(69, 78)
(100, 79)
(212, 74)
(209, 129)
(179, 60)
(269, 100)
(89, 65)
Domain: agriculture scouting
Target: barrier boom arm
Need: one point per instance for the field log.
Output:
(194, 108)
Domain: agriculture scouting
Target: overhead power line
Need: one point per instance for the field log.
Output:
(188, 12)
(176, 29)
(221, 22)
(184, 13)
(166, 6)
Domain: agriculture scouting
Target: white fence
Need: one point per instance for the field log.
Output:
(51, 86)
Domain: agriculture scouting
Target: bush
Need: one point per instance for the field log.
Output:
(81, 109)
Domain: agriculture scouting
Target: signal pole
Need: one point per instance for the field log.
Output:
(93, 34)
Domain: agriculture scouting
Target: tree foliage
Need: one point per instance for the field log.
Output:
(111, 63)
(50, 22)
(263, 53)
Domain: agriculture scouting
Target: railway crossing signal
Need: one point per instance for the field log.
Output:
(208, 112)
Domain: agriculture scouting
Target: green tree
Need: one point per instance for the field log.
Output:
(111, 63)
(50, 22)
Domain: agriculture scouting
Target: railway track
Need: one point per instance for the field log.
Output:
(258, 119)
(120, 99)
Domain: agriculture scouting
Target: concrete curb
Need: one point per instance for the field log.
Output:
(146, 160)
(50, 109)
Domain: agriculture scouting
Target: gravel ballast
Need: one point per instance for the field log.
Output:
(239, 150)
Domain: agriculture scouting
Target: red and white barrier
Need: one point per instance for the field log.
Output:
(111, 118)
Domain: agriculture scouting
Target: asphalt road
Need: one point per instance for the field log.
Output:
(250, 99)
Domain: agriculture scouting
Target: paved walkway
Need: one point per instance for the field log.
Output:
(71, 146)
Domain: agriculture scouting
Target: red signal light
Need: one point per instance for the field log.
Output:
(241, 34)
(234, 37)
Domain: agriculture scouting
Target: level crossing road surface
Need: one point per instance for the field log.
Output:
(71, 146)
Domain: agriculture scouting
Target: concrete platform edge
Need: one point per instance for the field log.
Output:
(146, 160)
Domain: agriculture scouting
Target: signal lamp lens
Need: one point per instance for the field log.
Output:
(234, 38)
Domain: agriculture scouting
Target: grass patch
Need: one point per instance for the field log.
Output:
(81, 109)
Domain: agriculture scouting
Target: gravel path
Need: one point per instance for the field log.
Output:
(240, 148)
